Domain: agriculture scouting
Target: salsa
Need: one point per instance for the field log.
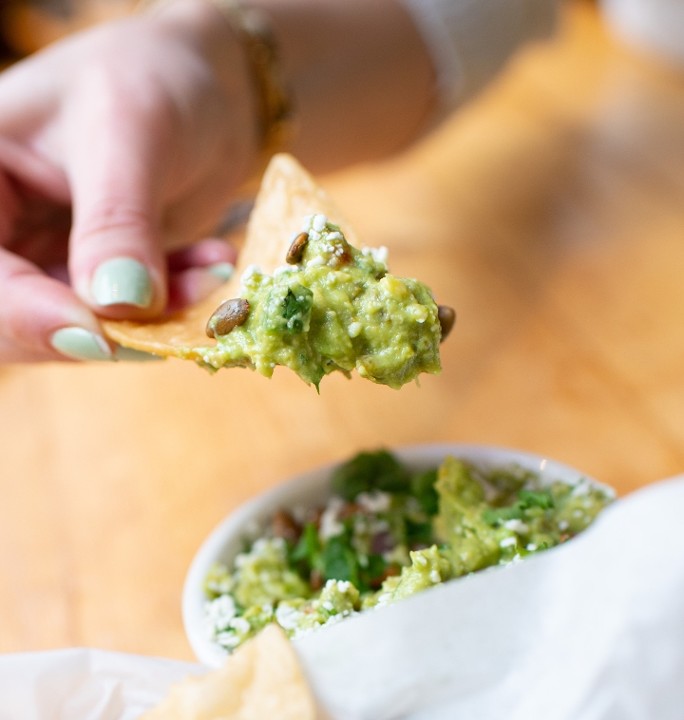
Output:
(386, 533)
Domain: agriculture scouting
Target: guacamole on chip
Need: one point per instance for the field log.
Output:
(328, 307)
(302, 296)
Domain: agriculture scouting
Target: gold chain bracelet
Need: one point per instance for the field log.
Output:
(274, 104)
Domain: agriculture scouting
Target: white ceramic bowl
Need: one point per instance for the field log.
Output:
(312, 489)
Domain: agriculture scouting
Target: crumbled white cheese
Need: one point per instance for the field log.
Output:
(287, 616)
(283, 270)
(516, 525)
(344, 586)
(240, 625)
(374, 502)
(249, 272)
(418, 312)
(508, 542)
(316, 261)
(220, 612)
(318, 222)
(379, 254)
(228, 640)
(329, 524)
(354, 329)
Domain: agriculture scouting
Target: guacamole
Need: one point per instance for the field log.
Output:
(385, 534)
(330, 307)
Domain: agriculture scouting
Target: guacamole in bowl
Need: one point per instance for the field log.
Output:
(374, 530)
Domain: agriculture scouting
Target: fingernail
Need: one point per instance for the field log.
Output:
(78, 343)
(222, 270)
(122, 281)
(129, 354)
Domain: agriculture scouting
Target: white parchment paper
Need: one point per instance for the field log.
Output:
(593, 630)
(84, 684)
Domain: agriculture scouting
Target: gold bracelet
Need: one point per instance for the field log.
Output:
(274, 104)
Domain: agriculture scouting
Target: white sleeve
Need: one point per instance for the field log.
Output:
(470, 40)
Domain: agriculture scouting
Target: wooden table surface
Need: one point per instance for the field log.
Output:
(549, 213)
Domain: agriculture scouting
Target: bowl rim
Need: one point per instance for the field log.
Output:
(312, 486)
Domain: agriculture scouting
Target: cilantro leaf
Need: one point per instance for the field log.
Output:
(370, 471)
(296, 308)
(494, 516)
(373, 575)
(308, 548)
(340, 561)
(527, 499)
(423, 489)
(541, 499)
(418, 534)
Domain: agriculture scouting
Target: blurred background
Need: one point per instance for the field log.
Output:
(27, 25)
(549, 212)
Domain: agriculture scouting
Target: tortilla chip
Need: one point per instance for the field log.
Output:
(262, 680)
(287, 195)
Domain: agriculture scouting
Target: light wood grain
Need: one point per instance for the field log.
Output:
(549, 213)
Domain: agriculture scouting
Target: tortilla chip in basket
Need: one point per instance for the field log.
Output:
(262, 680)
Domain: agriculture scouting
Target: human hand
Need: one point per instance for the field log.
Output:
(118, 148)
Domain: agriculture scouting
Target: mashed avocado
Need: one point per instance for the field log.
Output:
(333, 307)
(388, 533)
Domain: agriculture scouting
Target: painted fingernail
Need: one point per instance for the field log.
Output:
(131, 355)
(122, 281)
(78, 343)
(222, 270)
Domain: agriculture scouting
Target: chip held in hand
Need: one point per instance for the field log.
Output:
(304, 296)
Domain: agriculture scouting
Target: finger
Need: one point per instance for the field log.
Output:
(196, 271)
(206, 253)
(42, 319)
(116, 163)
(190, 286)
(32, 226)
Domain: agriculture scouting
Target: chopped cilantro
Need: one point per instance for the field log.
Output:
(541, 499)
(419, 534)
(494, 516)
(308, 548)
(423, 489)
(368, 472)
(374, 573)
(340, 561)
(296, 308)
(526, 499)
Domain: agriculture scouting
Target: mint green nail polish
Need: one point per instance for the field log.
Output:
(128, 354)
(122, 281)
(78, 343)
(222, 270)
